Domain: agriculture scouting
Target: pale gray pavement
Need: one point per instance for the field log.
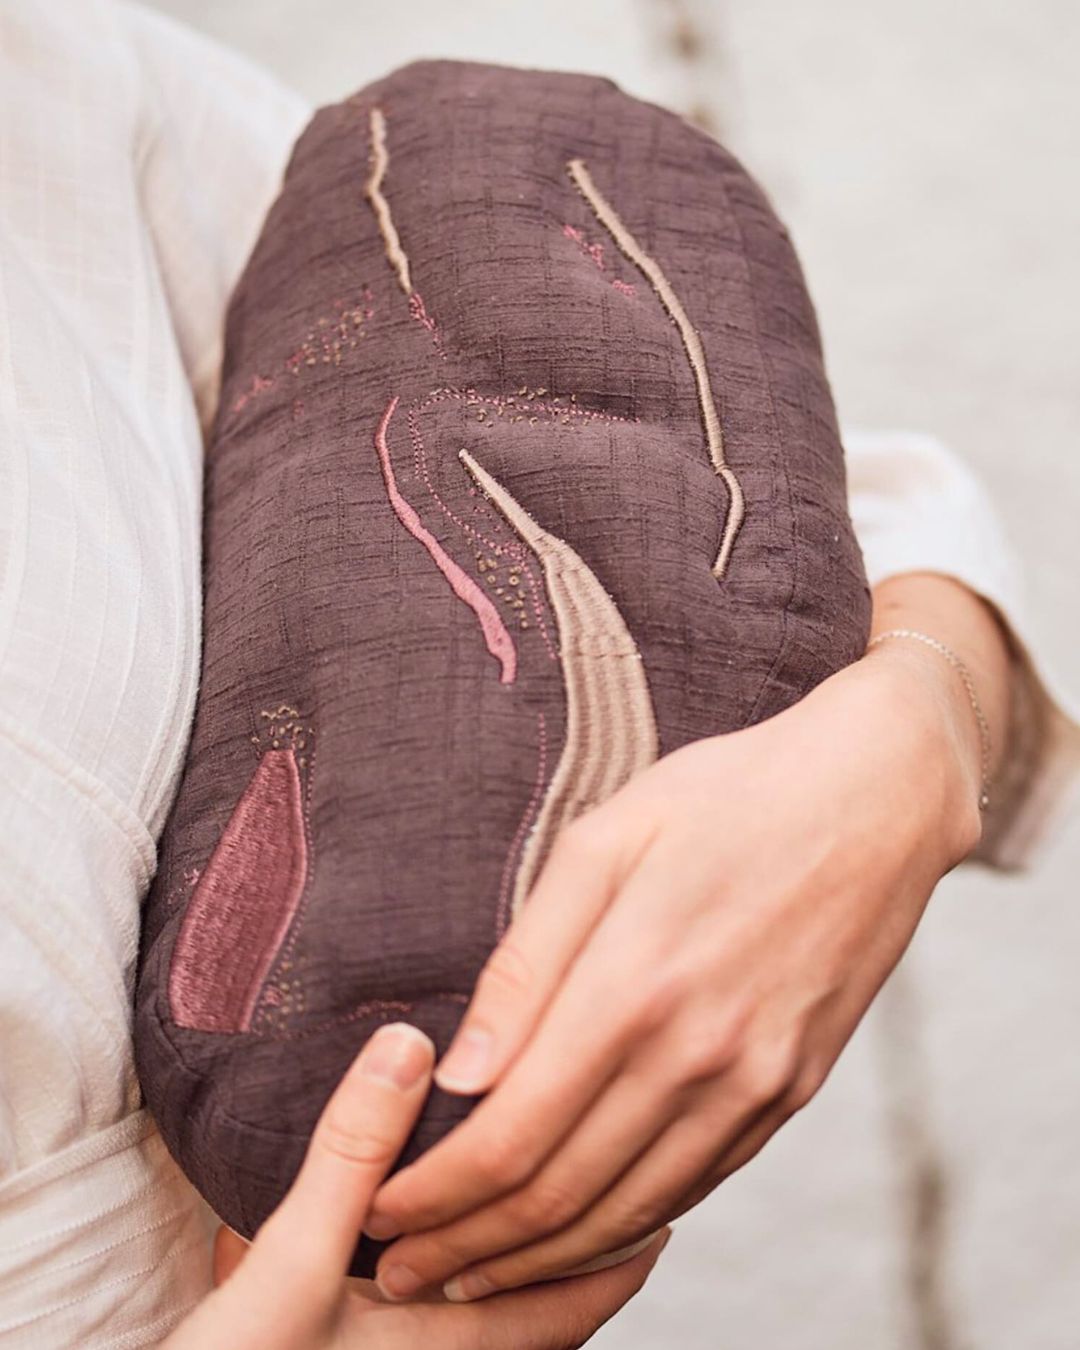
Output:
(927, 158)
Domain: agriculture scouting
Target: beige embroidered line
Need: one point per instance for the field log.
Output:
(714, 435)
(380, 161)
(610, 726)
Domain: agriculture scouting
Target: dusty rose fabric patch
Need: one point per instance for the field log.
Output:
(526, 472)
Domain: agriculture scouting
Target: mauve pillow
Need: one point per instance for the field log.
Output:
(526, 471)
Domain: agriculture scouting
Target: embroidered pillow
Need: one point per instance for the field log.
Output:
(525, 472)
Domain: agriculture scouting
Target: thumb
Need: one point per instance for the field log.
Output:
(359, 1134)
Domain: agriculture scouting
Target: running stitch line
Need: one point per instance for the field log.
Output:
(714, 437)
(496, 635)
(366, 1009)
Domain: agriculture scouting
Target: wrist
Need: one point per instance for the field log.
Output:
(946, 758)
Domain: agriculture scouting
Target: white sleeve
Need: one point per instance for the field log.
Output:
(209, 170)
(917, 507)
(136, 164)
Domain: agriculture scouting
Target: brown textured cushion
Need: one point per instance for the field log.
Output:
(510, 348)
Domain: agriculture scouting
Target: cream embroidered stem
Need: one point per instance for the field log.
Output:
(610, 726)
(714, 437)
(380, 160)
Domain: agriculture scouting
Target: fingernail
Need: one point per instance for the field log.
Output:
(397, 1053)
(464, 1065)
(398, 1282)
(381, 1227)
(464, 1288)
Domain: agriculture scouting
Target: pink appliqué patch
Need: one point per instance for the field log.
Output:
(243, 903)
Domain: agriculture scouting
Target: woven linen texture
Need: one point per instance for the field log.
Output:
(525, 472)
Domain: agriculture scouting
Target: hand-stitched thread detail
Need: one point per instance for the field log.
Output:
(523, 825)
(243, 903)
(259, 384)
(283, 994)
(422, 317)
(595, 252)
(496, 635)
(525, 405)
(327, 342)
(365, 1009)
(396, 255)
(507, 587)
(610, 726)
(284, 729)
(282, 1000)
(332, 335)
(714, 438)
(513, 546)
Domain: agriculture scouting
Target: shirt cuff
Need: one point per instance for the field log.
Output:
(916, 507)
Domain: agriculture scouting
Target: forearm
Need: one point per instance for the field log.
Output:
(945, 609)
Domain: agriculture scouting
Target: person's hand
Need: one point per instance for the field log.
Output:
(287, 1290)
(693, 958)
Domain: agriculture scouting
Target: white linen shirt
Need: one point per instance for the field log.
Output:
(136, 163)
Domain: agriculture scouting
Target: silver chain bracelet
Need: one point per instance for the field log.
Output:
(969, 686)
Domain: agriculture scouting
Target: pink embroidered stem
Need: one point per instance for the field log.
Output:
(499, 642)
(514, 548)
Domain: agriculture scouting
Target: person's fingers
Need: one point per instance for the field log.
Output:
(229, 1250)
(640, 1200)
(359, 1134)
(745, 1148)
(525, 969)
(618, 994)
(624, 1120)
(591, 1026)
(562, 1315)
(745, 1145)
(646, 1196)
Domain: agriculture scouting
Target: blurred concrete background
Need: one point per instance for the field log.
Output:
(927, 158)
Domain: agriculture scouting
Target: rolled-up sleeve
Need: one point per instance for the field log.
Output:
(917, 507)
